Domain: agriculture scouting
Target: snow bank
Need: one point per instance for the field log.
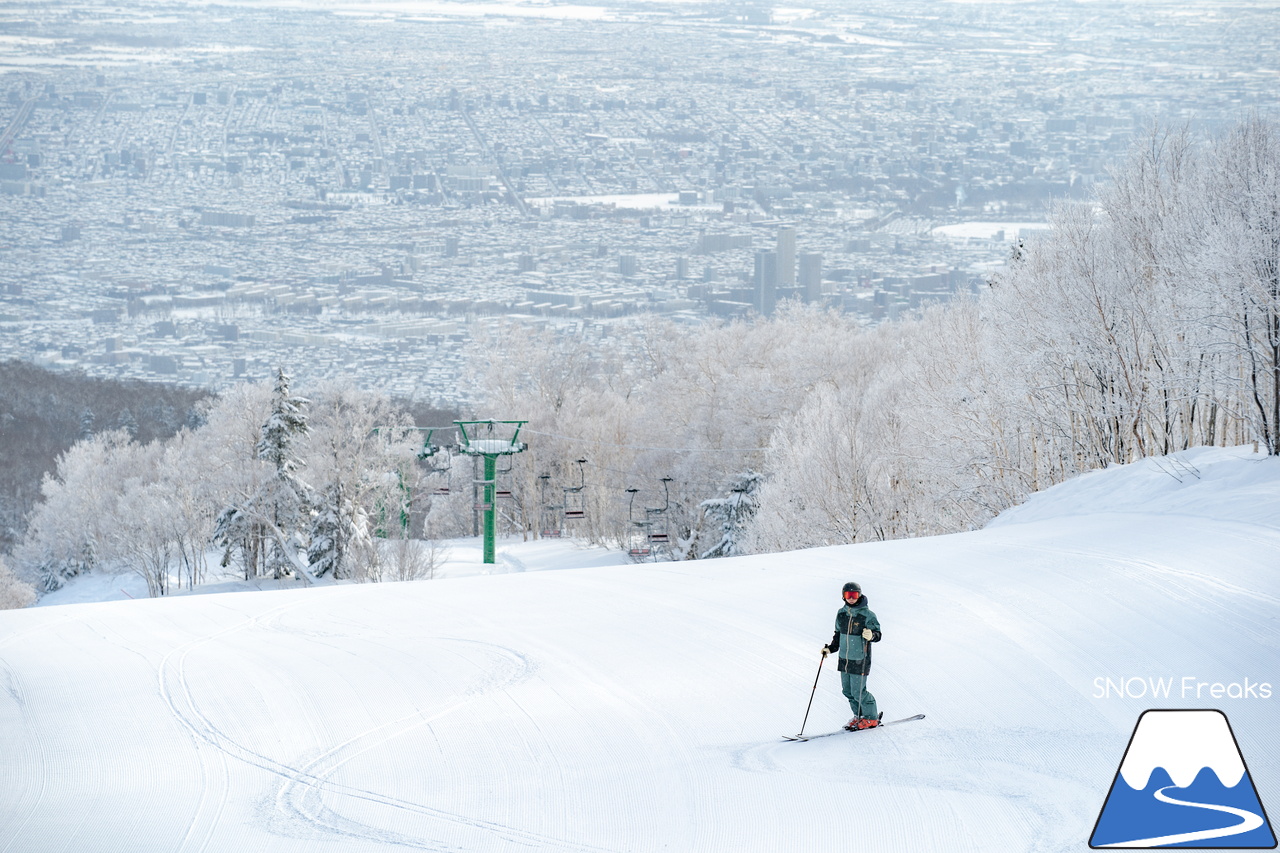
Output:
(1228, 484)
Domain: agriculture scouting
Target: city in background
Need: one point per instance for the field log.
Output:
(199, 194)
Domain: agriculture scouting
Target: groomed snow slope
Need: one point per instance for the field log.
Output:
(638, 708)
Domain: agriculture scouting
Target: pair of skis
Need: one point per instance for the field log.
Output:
(843, 731)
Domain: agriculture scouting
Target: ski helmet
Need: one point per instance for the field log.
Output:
(850, 587)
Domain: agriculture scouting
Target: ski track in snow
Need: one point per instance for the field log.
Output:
(35, 743)
(175, 690)
(301, 794)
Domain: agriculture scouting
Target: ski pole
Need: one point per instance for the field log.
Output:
(821, 661)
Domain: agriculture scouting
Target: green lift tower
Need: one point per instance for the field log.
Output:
(490, 439)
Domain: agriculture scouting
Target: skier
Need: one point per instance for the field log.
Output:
(856, 629)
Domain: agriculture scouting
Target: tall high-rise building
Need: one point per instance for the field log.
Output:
(765, 282)
(811, 276)
(787, 256)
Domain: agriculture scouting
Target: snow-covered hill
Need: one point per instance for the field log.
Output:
(637, 708)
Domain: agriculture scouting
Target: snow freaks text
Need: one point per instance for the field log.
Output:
(1187, 687)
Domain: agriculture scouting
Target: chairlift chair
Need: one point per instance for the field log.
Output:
(502, 492)
(638, 541)
(657, 517)
(429, 452)
(550, 512)
(574, 499)
(428, 449)
(447, 470)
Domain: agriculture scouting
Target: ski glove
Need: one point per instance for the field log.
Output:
(825, 651)
(868, 634)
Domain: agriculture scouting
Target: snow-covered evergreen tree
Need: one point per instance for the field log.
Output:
(337, 534)
(127, 422)
(730, 516)
(283, 502)
(287, 422)
(54, 571)
(269, 527)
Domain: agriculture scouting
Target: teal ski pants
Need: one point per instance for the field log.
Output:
(854, 687)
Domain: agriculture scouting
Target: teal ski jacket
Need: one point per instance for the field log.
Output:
(848, 641)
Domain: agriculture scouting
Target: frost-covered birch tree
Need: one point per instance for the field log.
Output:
(1242, 189)
(72, 529)
(362, 454)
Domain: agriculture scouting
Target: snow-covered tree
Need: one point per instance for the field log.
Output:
(663, 400)
(729, 517)
(232, 474)
(362, 455)
(15, 593)
(287, 422)
(271, 523)
(232, 481)
(71, 530)
(126, 421)
(190, 503)
(146, 534)
(1242, 192)
(338, 533)
(284, 501)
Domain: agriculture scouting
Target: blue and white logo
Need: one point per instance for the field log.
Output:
(1183, 783)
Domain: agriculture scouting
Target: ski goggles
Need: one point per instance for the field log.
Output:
(852, 594)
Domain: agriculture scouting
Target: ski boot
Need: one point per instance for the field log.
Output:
(859, 723)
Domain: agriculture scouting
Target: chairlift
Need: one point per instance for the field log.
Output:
(639, 547)
(426, 453)
(502, 492)
(428, 449)
(574, 499)
(447, 470)
(550, 512)
(657, 517)
(429, 452)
